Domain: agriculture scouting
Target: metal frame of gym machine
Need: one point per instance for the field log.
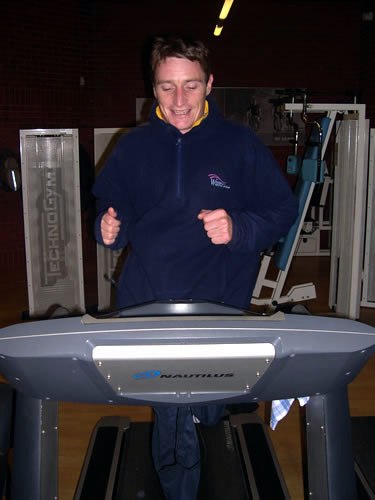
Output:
(107, 259)
(52, 220)
(368, 289)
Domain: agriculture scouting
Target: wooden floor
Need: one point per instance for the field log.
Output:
(76, 421)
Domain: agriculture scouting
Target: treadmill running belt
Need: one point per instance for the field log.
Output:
(136, 476)
(229, 451)
(222, 475)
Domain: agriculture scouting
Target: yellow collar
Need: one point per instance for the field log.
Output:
(205, 114)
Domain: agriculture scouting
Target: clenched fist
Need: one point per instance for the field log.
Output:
(218, 225)
(110, 226)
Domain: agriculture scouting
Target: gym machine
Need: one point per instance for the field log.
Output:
(184, 353)
(353, 194)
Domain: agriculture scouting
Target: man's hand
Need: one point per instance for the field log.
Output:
(110, 226)
(218, 225)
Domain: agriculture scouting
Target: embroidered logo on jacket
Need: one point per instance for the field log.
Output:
(217, 182)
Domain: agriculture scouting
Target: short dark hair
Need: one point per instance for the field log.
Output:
(178, 46)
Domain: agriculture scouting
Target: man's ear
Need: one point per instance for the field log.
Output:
(209, 84)
(154, 91)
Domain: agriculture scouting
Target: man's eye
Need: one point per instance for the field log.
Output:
(192, 87)
(166, 89)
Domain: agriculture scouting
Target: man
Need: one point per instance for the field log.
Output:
(197, 198)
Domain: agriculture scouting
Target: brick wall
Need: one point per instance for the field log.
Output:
(78, 64)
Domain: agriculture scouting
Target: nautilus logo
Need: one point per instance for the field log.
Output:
(217, 182)
(147, 374)
(156, 373)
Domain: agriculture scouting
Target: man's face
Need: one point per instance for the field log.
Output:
(180, 88)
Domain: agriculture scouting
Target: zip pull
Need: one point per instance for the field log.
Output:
(179, 168)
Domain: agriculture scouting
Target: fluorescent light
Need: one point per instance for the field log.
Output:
(226, 8)
(217, 30)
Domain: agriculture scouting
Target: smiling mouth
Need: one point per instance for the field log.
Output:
(181, 112)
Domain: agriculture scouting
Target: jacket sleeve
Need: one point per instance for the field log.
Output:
(110, 191)
(272, 207)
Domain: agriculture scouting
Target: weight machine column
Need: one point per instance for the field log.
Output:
(35, 463)
(329, 447)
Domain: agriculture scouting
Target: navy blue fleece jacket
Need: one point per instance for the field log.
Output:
(158, 180)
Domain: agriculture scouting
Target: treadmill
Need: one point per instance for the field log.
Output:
(184, 353)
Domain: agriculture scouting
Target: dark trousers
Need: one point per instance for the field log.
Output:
(176, 450)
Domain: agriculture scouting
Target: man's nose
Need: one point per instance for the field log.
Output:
(179, 96)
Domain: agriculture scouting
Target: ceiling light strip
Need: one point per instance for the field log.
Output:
(223, 15)
(225, 9)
